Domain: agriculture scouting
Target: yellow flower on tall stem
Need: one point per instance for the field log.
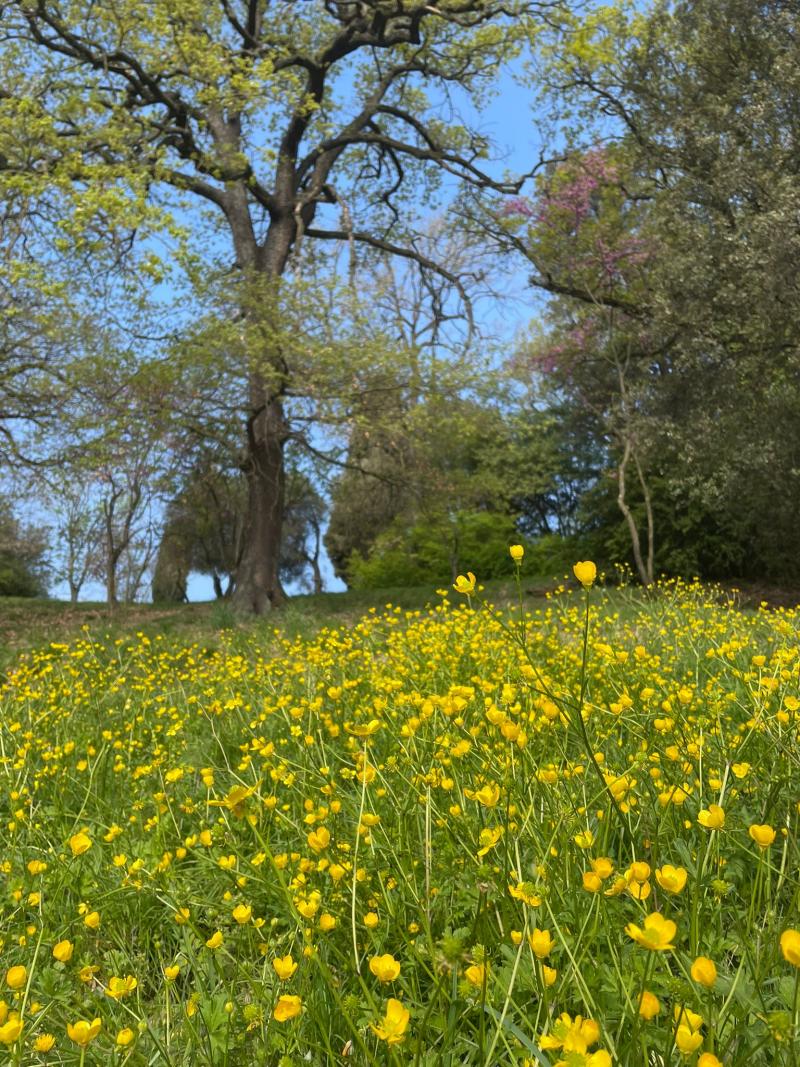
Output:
(394, 1023)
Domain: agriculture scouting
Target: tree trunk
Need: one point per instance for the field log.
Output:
(636, 544)
(648, 507)
(258, 586)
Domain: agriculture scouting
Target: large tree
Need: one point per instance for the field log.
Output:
(320, 120)
(702, 96)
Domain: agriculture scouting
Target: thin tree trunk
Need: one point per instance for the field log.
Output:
(648, 508)
(629, 519)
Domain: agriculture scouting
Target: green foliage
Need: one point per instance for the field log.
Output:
(22, 556)
(435, 551)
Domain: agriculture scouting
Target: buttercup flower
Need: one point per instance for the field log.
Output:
(541, 943)
(394, 1023)
(385, 968)
(63, 951)
(657, 934)
(712, 817)
(790, 946)
(465, 585)
(16, 977)
(687, 1040)
(287, 1007)
(121, 987)
(83, 1032)
(80, 843)
(649, 1005)
(517, 552)
(671, 879)
(704, 971)
(763, 835)
(284, 967)
(586, 573)
(11, 1030)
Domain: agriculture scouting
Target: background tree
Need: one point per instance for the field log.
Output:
(701, 99)
(23, 551)
(235, 106)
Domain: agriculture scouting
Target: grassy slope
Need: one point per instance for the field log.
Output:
(26, 623)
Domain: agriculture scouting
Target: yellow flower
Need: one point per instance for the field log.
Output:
(671, 879)
(171, 973)
(465, 585)
(36, 867)
(120, 987)
(602, 866)
(488, 795)
(92, 920)
(639, 872)
(712, 817)
(241, 913)
(82, 1032)
(657, 934)
(394, 1022)
(649, 1005)
(763, 835)
(16, 977)
(790, 946)
(63, 951)
(708, 1059)
(475, 974)
(516, 552)
(541, 943)
(125, 1036)
(488, 838)
(287, 1007)
(525, 892)
(584, 839)
(550, 974)
(576, 1035)
(686, 1017)
(704, 971)
(43, 1043)
(11, 1030)
(319, 839)
(284, 967)
(87, 973)
(586, 573)
(235, 802)
(371, 920)
(215, 941)
(688, 1041)
(80, 843)
(592, 882)
(327, 923)
(385, 968)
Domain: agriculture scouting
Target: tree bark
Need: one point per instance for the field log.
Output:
(636, 544)
(258, 587)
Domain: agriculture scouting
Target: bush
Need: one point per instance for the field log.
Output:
(433, 552)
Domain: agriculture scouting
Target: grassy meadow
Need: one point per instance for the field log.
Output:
(464, 828)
